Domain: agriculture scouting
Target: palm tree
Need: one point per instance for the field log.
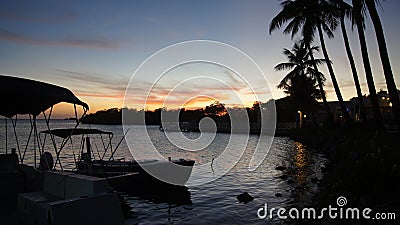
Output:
(358, 12)
(277, 22)
(311, 16)
(345, 10)
(300, 82)
(380, 36)
(320, 84)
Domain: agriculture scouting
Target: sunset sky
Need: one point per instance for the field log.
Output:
(94, 47)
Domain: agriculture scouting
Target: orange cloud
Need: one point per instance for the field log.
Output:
(99, 95)
(198, 102)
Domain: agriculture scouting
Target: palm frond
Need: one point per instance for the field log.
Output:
(328, 30)
(318, 62)
(316, 74)
(284, 66)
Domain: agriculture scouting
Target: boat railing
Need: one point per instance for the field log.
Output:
(34, 98)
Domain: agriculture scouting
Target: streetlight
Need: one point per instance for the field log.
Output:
(300, 118)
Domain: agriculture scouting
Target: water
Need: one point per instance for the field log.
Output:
(214, 202)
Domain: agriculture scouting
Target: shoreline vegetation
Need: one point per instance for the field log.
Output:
(216, 111)
(363, 158)
(363, 166)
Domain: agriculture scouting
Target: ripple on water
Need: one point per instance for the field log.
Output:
(213, 202)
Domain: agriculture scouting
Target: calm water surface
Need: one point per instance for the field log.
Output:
(211, 203)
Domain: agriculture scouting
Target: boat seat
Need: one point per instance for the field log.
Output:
(8, 162)
(12, 179)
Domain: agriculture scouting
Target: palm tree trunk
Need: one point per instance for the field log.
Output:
(380, 36)
(333, 77)
(311, 105)
(321, 86)
(353, 69)
(368, 74)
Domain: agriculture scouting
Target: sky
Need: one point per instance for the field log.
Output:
(94, 48)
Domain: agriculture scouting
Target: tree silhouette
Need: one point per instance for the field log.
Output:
(300, 84)
(358, 18)
(383, 52)
(345, 11)
(215, 109)
(311, 16)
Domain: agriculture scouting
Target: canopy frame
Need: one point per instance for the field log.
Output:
(24, 96)
(66, 136)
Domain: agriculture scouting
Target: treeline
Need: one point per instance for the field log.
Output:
(286, 111)
(217, 111)
(308, 21)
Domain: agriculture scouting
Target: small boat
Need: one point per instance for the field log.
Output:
(39, 194)
(121, 174)
(179, 126)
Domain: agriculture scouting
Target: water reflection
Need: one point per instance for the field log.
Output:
(214, 202)
(160, 193)
(301, 163)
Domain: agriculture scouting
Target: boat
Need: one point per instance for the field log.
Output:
(22, 96)
(40, 193)
(120, 173)
(179, 126)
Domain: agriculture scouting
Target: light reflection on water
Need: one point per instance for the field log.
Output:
(300, 162)
(213, 202)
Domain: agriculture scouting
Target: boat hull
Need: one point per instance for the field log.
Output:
(120, 173)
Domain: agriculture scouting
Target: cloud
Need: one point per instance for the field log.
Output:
(90, 77)
(162, 95)
(257, 92)
(98, 95)
(228, 89)
(95, 85)
(100, 43)
(180, 101)
(191, 95)
(50, 12)
(350, 84)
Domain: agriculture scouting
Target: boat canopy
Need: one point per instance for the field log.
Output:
(24, 96)
(64, 133)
